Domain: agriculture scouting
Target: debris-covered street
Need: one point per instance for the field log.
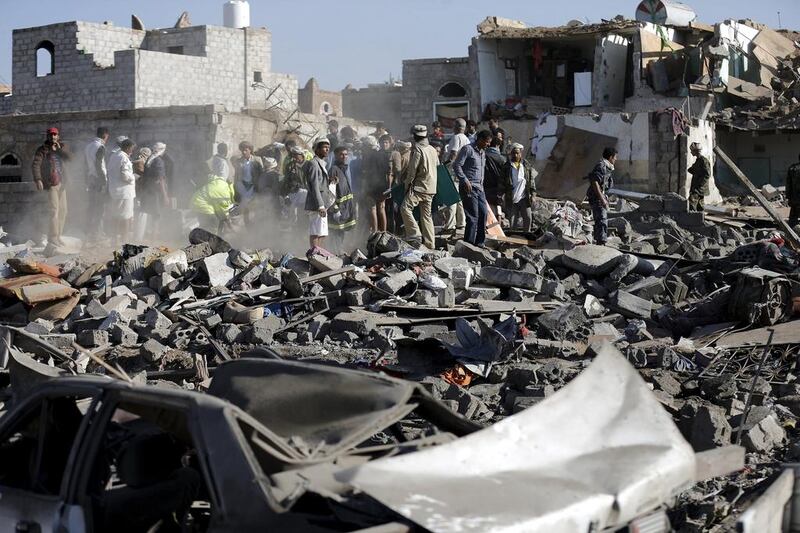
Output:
(555, 307)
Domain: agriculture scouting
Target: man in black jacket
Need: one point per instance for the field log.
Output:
(494, 175)
(600, 180)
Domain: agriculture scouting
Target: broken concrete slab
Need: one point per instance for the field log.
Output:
(501, 277)
(631, 306)
(218, 270)
(591, 259)
(394, 283)
(472, 253)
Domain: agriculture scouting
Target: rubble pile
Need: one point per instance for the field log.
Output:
(703, 311)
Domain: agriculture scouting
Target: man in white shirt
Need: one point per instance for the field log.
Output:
(122, 190)
(519, 188)
(96, 182)
(455, 213)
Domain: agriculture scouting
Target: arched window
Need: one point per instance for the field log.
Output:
(452, 90)
(9, 160)
(10, 168)
(45, 59)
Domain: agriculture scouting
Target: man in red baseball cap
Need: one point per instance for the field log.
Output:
(48, 175)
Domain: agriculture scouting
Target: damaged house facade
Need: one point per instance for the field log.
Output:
(188, 86)
(650, 87)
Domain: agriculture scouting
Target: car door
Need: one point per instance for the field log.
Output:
(37, 442)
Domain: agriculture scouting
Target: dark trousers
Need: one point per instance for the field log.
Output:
(475, 212)
(95, 210)
(794, 215)
(600, 215)
(519, 213)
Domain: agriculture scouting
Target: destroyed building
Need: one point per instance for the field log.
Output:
(650, 86)
(188, 86)
(316, 101)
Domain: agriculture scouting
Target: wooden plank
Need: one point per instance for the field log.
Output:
(791, 237)
(511, 240)
(765, 515)
(718, 462)
(786, 333)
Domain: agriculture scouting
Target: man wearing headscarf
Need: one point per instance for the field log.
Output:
(248, 170)
(223, 166)
(701, 174)
(153, 189)
(122, 189)
(293, 187)
(420, 187)
(342, 214)
(374, 176)
(49, 174)
(518, 188)
(319, 197)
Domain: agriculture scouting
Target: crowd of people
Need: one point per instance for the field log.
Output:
(341, 183)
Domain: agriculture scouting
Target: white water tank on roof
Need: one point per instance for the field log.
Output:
(665, 13)
(236, 14)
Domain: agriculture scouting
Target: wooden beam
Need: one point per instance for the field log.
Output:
(791, 237)
(718, 462)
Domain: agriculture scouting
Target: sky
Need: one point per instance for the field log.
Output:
(359, 41)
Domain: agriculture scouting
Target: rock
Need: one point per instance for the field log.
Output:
(592, 307)
(229, 333)
(39, 326)
(239, 259)
(358, 323)
(176, 261)
(625, 264)
(156, 320)
(264, 330)
(591, 259)
(96, 310)
(196, 252)
(153, 351)
(501, 277)
(710, 428)
(92, 338)
(394, 283)
(762, 431)
(472, 253)
(122, 334)
(478, 292)
(218, 270)
(325, 263)
(663, 380)
(446, 265)
(631, 306)
(718, 388)
(562, 321)
(770, 192)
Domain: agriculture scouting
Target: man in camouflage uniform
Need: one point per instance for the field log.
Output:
(793, 193)
(701, 173)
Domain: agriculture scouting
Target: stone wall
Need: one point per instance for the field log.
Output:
(422, 79)
(376, 103)
(99, 66)
(312, 99)
(79, 81)
(190, 132)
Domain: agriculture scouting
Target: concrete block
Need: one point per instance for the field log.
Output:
(394, 283)
(501, 277)
(710, 428)
(153, 351)
(122, 334)
(92, 338)
(770, 192)
(631, 306)
(154, 319)
(482, 292)
(263, 331)
(358, 323)
(173, 261)
(196, 252)
(218, 270)
(473, 253)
